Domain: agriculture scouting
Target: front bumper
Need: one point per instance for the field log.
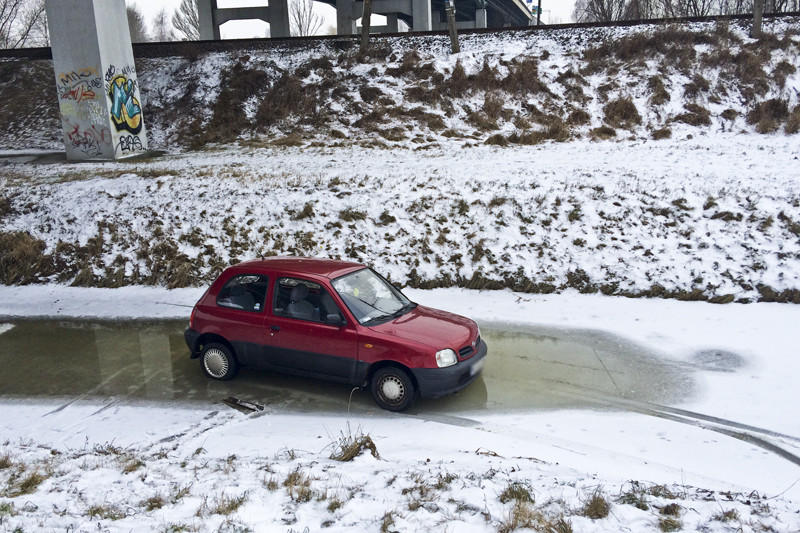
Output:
(191, 337)
(436, 382)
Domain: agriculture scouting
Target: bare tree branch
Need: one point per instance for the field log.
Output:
(162, 31)
(136, 24)
(303, 19)
(21, 23)
(186, 20)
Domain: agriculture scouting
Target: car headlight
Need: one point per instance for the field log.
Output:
(446, 357)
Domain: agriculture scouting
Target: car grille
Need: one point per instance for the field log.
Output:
(467, 350)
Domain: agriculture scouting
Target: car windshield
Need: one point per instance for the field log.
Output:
(371, 298)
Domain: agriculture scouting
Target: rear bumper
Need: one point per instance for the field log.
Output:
(191, 337)
(436, 382)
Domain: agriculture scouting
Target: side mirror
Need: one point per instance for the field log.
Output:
(335, 320)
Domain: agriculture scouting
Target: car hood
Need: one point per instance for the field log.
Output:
(432, 327)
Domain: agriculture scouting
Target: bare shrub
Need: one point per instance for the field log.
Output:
(622, 113)
(603, 133)
(695, 115)
(768, 116)
(493, 105)
(662, 133)
(22, 259)
(660, 94)
(486, 79)
(596, 506)
(288, 96)
(369, 94)
(782, 70)
(229, 119)
(578, 117)
(395, 134)
(407, 65)
(697, 85)
(793, 122)
(497, 140)
(523, 77)
(481, 121)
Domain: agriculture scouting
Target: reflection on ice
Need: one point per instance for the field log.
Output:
(528, 368)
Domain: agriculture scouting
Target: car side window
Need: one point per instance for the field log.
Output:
(246, 292)
(303, 299)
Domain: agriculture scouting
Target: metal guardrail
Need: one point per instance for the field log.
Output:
(174, 48)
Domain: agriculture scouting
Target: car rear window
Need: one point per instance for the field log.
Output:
(246, 292)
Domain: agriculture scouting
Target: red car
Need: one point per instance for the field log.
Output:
(334, 320)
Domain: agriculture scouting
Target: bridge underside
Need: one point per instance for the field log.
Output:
(418, 15)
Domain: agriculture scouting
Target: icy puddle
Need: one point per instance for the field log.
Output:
(527, 369)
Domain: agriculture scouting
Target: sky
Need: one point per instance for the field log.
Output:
(553, 12)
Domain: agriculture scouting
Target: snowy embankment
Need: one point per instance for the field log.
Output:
(716, 217)
(125, 465)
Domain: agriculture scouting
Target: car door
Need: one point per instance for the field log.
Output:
(303, 337)
(239, 313)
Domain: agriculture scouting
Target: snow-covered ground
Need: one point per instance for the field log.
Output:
(123, 465)
(713, 212)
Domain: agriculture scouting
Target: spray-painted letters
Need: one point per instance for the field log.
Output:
(79, 85)
(87, 139)
(122, 91)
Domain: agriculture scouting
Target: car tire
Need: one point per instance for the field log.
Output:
(218, 361)
(392, 389)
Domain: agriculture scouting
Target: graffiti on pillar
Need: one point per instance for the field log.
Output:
(126, 112)
(80, 94)
(87, 139)
(129, 143)
(79, 86)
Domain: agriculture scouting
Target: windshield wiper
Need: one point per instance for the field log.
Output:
(403, 310)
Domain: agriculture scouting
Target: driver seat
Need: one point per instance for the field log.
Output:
(298, 306)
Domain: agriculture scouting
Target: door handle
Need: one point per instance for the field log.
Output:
(274, 328)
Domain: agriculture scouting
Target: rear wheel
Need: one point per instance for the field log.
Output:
(218, 361)
(392, 389)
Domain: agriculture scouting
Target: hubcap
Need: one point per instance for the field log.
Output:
(216, 363)
(392, 389)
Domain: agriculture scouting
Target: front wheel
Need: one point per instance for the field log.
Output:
(392, 389)
(218, 361)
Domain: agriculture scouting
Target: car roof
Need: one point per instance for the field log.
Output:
(328, 268)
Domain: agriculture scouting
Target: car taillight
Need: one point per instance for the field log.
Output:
(191, 317)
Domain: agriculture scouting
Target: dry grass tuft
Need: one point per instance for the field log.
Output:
(521, 516)
(518, 492)
(349, 446)
(660, 94)
(695, 115)
(596, 506)
(22, 259)
(661, 133)
(298, 486)
(793, 122)
(622, 113)
(768, 116)
(603, 133)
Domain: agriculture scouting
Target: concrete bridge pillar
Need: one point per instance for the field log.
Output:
(345, 17)
(96, 82)
(480, 18)
(205, 15)
(421, 14)
(392, 25)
